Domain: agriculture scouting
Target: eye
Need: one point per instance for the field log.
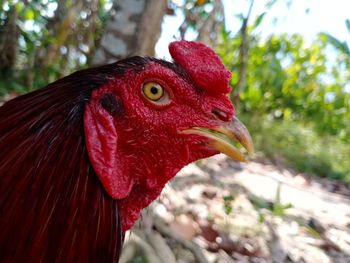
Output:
(155, 93)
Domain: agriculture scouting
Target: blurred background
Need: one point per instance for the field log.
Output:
(290, 64)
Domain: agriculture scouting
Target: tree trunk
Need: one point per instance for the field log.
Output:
(60, 27)
(208, 33)
(9, 44)
(133, 29)
(243, 57)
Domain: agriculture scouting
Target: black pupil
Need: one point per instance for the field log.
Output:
(154, 90)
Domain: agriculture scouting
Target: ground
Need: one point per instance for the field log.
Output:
(218, 210)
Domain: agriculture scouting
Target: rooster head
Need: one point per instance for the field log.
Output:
(144, 125)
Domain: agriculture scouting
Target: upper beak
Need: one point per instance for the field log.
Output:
(223, 138)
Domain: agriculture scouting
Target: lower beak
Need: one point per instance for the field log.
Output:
(223, 138)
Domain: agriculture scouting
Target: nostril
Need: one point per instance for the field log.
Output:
(220, 114)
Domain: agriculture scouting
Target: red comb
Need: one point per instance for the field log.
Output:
(202, 64)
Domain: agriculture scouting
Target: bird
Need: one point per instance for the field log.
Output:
(81, 157)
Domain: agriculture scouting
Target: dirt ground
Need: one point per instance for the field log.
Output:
(218, 210)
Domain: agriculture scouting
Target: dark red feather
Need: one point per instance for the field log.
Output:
(53, 207)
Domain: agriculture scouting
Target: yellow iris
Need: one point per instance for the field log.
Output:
(153, 91)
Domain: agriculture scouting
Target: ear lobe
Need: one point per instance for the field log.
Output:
(101, 139)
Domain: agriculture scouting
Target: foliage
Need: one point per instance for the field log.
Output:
(288, 79)
(279, 209)
(299, 95)
(53, 38)
(194, 11)
(202, 19)
(299, 145)
(228, 204)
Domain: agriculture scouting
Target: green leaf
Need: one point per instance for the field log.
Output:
(240, 16)
(259, 19)
(270, 3)
(347, 23)
(227, 204)
(338, 44)
(29, 14)
(19, 7)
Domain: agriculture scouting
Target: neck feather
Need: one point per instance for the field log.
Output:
(53, 207)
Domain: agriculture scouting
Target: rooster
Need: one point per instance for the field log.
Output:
(80, 158)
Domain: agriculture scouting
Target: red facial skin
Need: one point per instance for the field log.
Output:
(73, 166)
(136, 152)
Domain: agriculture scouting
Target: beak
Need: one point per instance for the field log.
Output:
(223, 138)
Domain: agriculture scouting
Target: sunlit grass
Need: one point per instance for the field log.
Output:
(300, 147)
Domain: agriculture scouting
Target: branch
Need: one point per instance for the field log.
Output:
(211, 25)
